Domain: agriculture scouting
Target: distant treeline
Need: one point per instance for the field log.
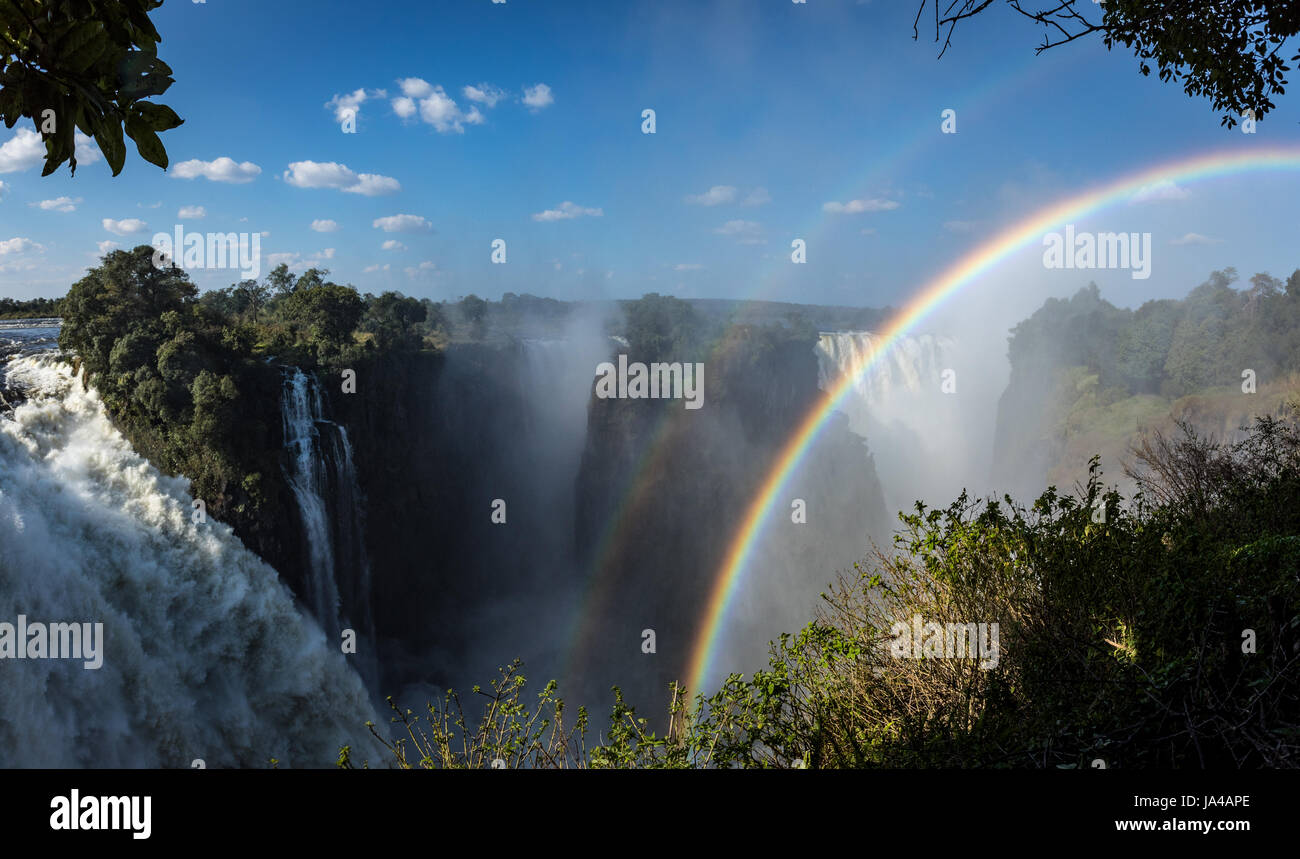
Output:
(35, 308)
(1169, 347)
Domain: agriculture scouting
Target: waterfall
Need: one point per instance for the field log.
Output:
(205, 655)
(321, 474)
(925, 446)
(906, 371)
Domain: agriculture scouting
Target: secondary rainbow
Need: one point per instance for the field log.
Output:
(968, 268)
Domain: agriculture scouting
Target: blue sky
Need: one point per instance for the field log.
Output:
(766, 112)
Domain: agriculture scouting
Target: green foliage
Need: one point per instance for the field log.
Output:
(1121, 636)
(88, 65)
(395, 320)
(1172, 348)
(662, 328)
(186, 376)
(1231, 51)
(35, 308)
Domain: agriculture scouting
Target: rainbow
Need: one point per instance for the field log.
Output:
(599, 583)
(977, 262)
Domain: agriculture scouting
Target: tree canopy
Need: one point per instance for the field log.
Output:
(88, 65)
(1230, 51)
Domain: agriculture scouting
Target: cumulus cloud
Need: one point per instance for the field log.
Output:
(1194, 239)
(393, 245)
(538, 97)
(222, 169)
(371, 269)
(857, 207)
(349, 104)
(565, 211)
(58, 204)
(1165, 189)
(434, 106)
(124, 227)
(325, 226)
(484, 94)
(715, 196)
(403, 224)
(106, 245)
(192, 212)
(328, 174)
(18, 245)
(26, 149)
(423, 268)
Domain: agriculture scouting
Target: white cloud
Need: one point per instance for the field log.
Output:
(22, 151)
(1194, 239)
(374, 185)
(124, 227)
(328, 174)
(393, 245)
(327, 253)
(403, 224)
(18, 245)
(371, 269)
(86, 149)
(415, 87)
(738, 228)
(1163, 190)
(422, 268)
(58, 204)
(434, 106)
(192, 212)
(484, 94)
(538, 97)
(566, 211)
(26, 149)
(222, 169)
(757, 197)
(349, 104)
(325, 226)
(715, 196)
(857, 207)
(157, 205)
(290, 259)
(105, 246)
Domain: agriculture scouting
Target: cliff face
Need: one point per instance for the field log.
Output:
(617, 513)
(663, 490)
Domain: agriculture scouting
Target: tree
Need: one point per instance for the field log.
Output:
(330, 312)
(125, 292)
(394, 319)
(251, 296)
(280, 280)
(1227, 50)
(88, 65)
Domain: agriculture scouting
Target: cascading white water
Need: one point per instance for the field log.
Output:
(323, 479)
(300, 412)
(206, 655)
(924, 444)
